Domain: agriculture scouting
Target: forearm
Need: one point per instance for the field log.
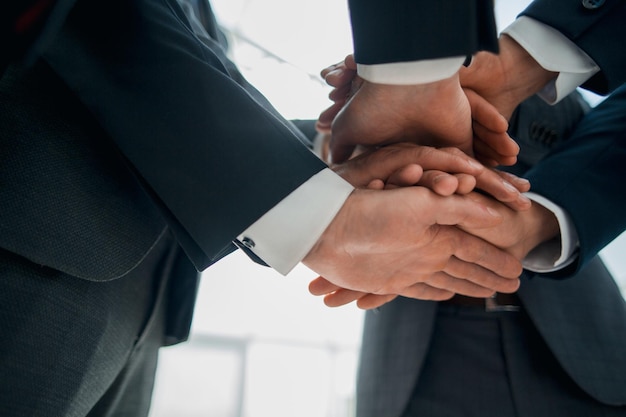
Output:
(167, 102)
(596, 28)
(506, 79)
(554, 52)
(286, 233)
(385, 32)
(558, 246)
(540, 225)
(585, 176)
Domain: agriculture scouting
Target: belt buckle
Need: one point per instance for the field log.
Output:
(492, 306)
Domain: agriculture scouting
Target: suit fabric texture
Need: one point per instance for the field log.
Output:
(578, 323)
(577, 315)
(92, 281)
(111, 203)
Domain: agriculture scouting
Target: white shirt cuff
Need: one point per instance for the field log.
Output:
(554, 52)
(559, 252)
(414, 72)
(283, 236)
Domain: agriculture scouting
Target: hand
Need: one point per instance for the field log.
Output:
(492, 145)
(506, 79)
(403, 241)
(343, 77)
(335, 296)
(378, 114)
(518, 234)
(444, 171)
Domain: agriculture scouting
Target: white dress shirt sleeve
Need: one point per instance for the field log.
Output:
(283, 236)
(551, 49)
(414, 72)
(554, 52)
(559, 252)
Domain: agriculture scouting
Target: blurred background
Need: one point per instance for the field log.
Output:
(261, 345)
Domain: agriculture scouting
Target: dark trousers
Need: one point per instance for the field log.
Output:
(487, 364)
(74, 348)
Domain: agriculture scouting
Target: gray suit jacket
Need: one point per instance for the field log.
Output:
(582, 319)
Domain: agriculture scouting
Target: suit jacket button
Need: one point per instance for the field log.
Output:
(592, 4)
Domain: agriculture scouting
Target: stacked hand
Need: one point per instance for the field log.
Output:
(411, 203)
(506, 79)
(438, 114)
(517, 234)
(458, 253)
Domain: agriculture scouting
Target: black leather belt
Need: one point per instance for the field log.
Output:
(499, 302)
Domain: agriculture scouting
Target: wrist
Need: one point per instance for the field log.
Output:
(541, 225)
(527, 77)
(409, 103)
(506, 79)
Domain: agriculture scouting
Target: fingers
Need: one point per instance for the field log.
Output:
(349, 62)
(371, 301)
(340, 77)
(364, 301)
(338, 66)
(466, 183)
(339, 73)
(405, 176)
(422, 291)
(498, 186)
(489, 157)
(325, 119)
(321, 286)
(341, 93)
(401, 165)
(473, 280)
(492, 144)
(342, 297)
(475, 253)
(504, 188)
(335, 296)
(485, 113)
(440, 182)
(499, 147)
(522, 184)
(453, 210)
(464, 283)
(449, 159)
(376, 184)
(340, 152)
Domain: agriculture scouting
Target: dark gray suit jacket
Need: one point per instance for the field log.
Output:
(131, 126)
(134, 125)
(209, 150)
(582, 319)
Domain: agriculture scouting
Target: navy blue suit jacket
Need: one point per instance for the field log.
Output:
(582, 319)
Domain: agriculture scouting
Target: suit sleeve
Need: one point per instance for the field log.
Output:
(413, 30)
(585, 176)
(214, 155)
(600, 32)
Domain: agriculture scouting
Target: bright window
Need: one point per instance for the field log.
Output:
(261, 345)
